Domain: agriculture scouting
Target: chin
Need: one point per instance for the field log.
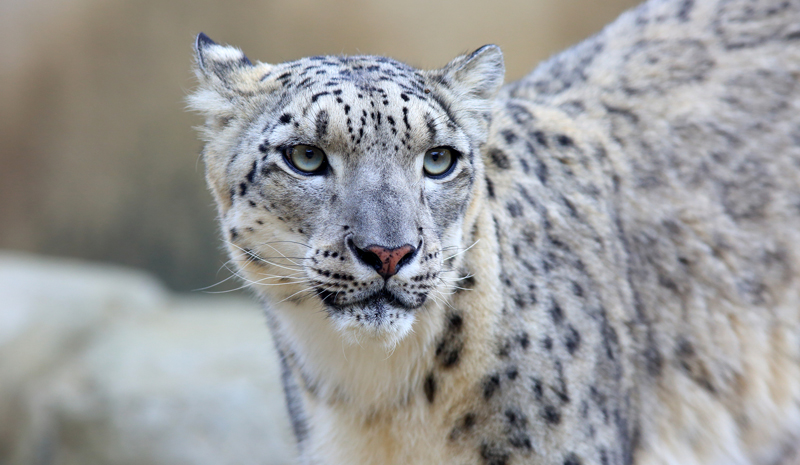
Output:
(379, 320)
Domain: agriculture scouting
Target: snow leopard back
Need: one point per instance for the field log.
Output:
(608, 275)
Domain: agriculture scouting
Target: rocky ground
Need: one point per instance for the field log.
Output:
(103, 365)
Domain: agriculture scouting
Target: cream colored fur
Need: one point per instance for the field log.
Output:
(608, 274)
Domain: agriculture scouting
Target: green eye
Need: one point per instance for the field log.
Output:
(306, 159)
(439, 162)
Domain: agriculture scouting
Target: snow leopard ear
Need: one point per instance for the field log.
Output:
(229, 82)
(479, 74)
(217, 62)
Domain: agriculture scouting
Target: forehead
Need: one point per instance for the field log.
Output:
(362, 97)
(365, 73)
(362, 82)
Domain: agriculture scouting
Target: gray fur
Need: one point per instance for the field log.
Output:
(609, 276)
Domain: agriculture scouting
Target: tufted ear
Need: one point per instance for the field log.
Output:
(217, 62)
(229, 82)
(479, 74)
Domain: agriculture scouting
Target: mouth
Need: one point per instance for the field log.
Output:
(382, 300)
(381, 317)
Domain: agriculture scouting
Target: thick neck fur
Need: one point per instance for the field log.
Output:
(370, 377)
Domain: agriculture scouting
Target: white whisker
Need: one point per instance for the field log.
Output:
(254, 256)
(459, 253)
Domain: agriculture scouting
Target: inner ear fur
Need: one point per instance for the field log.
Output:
(228, 79)
(478, 74)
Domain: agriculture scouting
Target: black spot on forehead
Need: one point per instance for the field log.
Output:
(431, 124)
(370, 78)
(316, 96)
(365, 73)
(322, 124)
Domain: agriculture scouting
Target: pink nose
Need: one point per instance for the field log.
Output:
(388, 261)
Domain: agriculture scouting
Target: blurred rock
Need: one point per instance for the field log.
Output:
(101, 365)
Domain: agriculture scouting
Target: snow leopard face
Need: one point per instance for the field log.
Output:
(346, 181)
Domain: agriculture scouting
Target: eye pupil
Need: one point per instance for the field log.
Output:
(306, 159)
(439, 162)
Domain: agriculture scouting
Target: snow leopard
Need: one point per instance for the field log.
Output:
(596, 264)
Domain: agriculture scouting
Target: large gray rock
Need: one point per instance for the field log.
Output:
(100, 365)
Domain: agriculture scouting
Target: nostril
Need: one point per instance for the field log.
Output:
(369, 258)
(384, 260)
(405, 259)
(365, 256)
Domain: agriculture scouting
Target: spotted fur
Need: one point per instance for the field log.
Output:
(607, 276)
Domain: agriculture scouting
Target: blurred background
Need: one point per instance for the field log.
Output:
(98, 158)
(106, 225)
